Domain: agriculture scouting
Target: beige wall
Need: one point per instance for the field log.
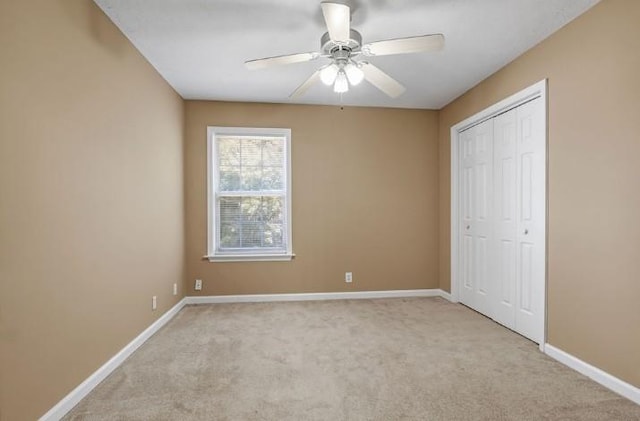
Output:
(593, 67)
(91, 198)
(364, 199)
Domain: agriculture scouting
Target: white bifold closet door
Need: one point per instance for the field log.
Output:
(503, 205)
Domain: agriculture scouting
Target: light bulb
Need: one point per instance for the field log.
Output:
(341, 85)
(328, 74)
(354, 74)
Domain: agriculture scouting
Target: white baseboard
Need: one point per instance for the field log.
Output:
(447, 296)
(605, 379)
(316, 296)
(77, 394)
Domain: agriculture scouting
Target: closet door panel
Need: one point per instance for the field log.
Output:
(477, 199)
(483, 223)
(531, 207)
(504, 162)
(468, 200)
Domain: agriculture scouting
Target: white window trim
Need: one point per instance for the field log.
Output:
(258, 255)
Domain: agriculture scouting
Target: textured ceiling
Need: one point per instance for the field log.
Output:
(199, 46)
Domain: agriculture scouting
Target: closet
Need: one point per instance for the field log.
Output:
(501, 210)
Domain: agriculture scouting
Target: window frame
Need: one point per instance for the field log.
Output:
(213, 231)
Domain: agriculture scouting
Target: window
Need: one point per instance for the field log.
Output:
(249, 194)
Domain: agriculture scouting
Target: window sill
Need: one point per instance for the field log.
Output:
(251, 257)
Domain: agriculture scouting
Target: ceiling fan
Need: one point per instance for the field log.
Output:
(343, 47)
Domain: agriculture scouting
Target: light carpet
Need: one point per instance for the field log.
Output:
(385, 359)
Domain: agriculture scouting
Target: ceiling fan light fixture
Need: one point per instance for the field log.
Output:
(354, 74)
(328, 74)
(342, 84)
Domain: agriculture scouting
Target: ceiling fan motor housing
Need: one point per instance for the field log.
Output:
(341, 50)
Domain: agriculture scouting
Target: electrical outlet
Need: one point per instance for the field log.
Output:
(154, 302)
(198, 286)
(175, 289)
(348, 277)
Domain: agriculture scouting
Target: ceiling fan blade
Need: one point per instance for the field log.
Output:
(418, 44)
(305, 85)
(262, 63)
(381, 80)
(338, 19)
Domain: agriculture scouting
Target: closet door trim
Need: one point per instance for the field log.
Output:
(537, 90)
